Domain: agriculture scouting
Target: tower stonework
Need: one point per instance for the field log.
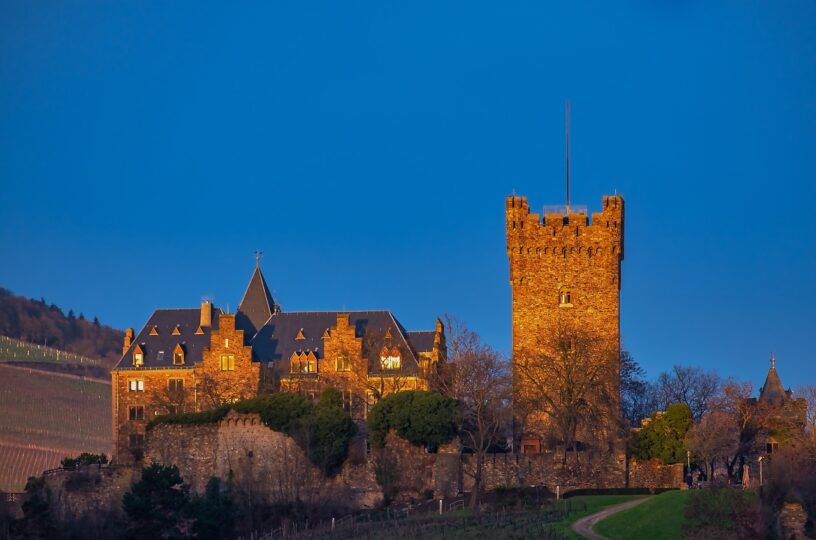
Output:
(565, 270)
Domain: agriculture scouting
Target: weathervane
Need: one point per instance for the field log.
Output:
(258, 255)
(773, 361)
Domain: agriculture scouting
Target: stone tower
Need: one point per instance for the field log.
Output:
(565, 270)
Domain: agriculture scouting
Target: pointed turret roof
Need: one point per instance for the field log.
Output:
(773, 392)
(257, 305)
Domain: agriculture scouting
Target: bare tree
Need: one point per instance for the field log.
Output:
(637, 394)
(574, 382)
(747, 415)
(714, 437)
(479, 379)
(690, 385)
(213, 392)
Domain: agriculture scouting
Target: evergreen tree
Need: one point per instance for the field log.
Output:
(156, 505)
(215, 512)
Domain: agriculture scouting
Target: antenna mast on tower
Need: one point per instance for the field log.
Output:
(568, 156)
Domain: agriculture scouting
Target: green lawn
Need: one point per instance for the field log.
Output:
(659, 517)
(594, 503)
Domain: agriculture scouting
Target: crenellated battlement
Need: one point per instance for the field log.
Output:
(569, 231)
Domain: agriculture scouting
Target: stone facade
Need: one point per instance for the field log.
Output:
(565, 272)
(141, 395)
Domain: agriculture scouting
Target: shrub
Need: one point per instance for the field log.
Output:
(421, 418)
(723, 513)
(83, 459)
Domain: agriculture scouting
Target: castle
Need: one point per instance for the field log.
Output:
(565, 273)
(188, 360)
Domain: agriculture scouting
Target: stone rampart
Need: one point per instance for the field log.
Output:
(260, 462)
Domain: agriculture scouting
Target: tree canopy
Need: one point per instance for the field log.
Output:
(421, 418)
(663, 437)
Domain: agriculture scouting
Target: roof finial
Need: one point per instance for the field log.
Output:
(773, 361)
(258, 255)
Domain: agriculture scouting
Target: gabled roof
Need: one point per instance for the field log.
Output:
(256, 306)
(773, 392)
(164, 321)
(277, 340)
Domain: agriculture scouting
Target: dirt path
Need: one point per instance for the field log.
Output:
(584, 525)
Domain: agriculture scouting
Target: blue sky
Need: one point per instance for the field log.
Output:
(148, 148)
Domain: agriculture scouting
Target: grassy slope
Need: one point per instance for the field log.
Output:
(46, 417)
(594, 503)
(660, 517)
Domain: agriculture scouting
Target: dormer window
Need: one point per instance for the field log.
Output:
(300, 335)
(178, 356)
(390, 358)
(565, 297)
(160, 356)
(138, 356)
(176, 331)
(154, 331)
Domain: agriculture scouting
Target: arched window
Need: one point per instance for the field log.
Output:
(565, 297)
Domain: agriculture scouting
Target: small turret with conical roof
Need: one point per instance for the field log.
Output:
(773, 393)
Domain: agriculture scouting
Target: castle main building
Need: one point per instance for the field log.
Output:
(187, 360)
(565, 273)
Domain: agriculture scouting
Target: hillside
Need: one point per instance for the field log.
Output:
(35, 321)
(46, 417)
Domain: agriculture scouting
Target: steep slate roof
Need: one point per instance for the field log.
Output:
(276, 342)
(772, 391)
(165, 320)
(422, 341)
(257, 305)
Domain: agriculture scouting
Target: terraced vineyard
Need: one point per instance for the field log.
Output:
(12, 350)
(46, 417)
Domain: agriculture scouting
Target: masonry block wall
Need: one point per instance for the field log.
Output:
(565, 270)
(227, 372)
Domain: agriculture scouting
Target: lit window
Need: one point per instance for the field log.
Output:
(390, 359)
(178, 356)
(565, 297)
(309, 363)
(136, 413)
(175, 385)
(138, 357)
(136, 385)
(343, 363)
(227, 362)
(226, 343)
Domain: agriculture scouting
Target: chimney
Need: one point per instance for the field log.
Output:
(128, 340)
(206, 314)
